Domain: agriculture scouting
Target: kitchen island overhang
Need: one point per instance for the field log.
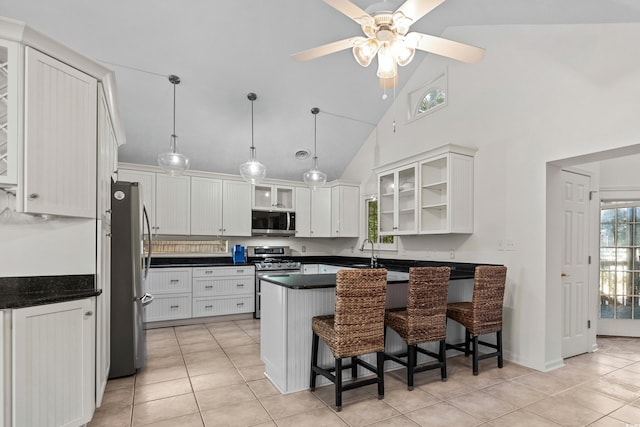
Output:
(290, 301)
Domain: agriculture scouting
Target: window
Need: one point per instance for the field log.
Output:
(433, 99)
(371, 212)
(430, 97)
(620, 260)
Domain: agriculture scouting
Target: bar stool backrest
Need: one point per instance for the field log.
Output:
(488, 298)
(427, 303)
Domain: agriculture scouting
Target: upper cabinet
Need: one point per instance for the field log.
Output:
(303, 211)
(398, 202)
(9, 128)
(273, 198)
(345, 208)
(236, 208)
(173, 204)
(147, 181)
(430, 193)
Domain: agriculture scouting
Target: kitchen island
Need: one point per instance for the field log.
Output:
(290, 301)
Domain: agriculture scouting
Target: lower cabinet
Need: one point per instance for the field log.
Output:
(181, 293)
(54, 364)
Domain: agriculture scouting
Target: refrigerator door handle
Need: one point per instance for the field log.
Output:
(147, 262)
(146, 299)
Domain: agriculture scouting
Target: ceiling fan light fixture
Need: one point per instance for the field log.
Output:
(402, 53)
(314, 178)
(172, 162)
(401, 23)
(252, 170)
(365, 51)
(387, 67)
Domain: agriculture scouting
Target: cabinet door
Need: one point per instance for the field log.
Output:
(60, 138)
(236, 208)
(321, 212)
(397, 213)
(273, 198)
(345, 211)
(103, 309)
(173, 204)
(206, 206)
(107, 155)
(54, 364)
(9, 112)
(303, 212)
(148, 182)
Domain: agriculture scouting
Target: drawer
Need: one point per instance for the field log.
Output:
(245, 270)
(222, 305)
(204, 287)
(168, 307)
(168, 280)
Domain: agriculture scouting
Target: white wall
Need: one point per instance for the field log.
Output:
(541, 94)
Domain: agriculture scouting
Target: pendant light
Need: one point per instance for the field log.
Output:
(173, 162)
(252, 170)
(314, 178)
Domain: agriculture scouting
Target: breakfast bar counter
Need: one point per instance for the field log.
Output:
(288, 304)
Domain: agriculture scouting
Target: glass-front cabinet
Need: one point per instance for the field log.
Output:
(8, 113)
(273, 197)
(397, 201)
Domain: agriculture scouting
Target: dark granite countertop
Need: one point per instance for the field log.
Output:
(20, 292)
(311, 281)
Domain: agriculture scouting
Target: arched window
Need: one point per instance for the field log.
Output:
(434, 98)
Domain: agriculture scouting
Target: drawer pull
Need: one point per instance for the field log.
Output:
(240, 304)
(208, 272)
(174, 280)
(240, 285)
(240, 271)
(208, 306)
(208, 287)
(174, 306)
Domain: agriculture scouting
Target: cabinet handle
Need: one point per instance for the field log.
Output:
(208, 306)
(208, 272)
(108, 234)
(174, 306)
(240, 271)
(240, 285)
(33, 196)
(89, 313)
(240, 304)
(108, 211)
(174, 280)
(208, 287)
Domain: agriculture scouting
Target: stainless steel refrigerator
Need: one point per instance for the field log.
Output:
(129, 268)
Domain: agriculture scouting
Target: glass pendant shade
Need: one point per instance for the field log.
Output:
(314, 178)
(252, 170)
(402, 53)
(387, 67)
(172, 162)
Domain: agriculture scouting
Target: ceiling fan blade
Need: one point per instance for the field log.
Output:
(416, 9)
(449, 48)
(326, 49)
(351, 10)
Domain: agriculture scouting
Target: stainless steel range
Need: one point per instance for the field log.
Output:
(274, 261)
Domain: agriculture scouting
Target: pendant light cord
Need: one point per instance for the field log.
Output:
(174, 108)
(315, 111)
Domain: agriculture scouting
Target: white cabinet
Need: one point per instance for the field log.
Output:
(273, 198)
(147, 181)
(236, 208)
(60, 138)
(303, 211)
(173, 204)
(5, 367)
(397, 206)
(223, 290)
(206, 206)
(345, 211)
(446, 194)
(321, 212)
(310, 268)
(9, 113)
(171, 289)
(107, 155)
(54, 364)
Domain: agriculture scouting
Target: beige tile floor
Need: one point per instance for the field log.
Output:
(211, 375)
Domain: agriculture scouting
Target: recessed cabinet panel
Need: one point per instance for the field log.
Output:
(148, 182)
(236, 208)
(321, 212)
(60, 138)
(303, 212)
(173, 204)
(206, 206)
(9, 128)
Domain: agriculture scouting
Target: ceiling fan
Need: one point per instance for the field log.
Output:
(387, 36)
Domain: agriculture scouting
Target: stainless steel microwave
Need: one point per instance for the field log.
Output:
(264, 223)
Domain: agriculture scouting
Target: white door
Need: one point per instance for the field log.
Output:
(575, 267)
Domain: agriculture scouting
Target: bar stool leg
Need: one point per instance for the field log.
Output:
(475, 355)
(380, 365)
(499, 345)
(411, 363)
(443, 360)
(354, 367)
(467, 341)
(314, 361)
(338, 375)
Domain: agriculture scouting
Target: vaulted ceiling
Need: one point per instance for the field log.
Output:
(223, 50)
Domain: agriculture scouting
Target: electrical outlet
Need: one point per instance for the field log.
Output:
(452, 254)
(509, 245)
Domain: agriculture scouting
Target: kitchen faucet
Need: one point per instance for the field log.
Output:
(374, 262)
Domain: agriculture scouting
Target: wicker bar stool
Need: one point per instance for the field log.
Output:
(356, 328)
(423, 320)
(483, 315)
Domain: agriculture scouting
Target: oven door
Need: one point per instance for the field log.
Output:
(259, 274)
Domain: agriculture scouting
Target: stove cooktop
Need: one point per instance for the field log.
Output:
(277, 264)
